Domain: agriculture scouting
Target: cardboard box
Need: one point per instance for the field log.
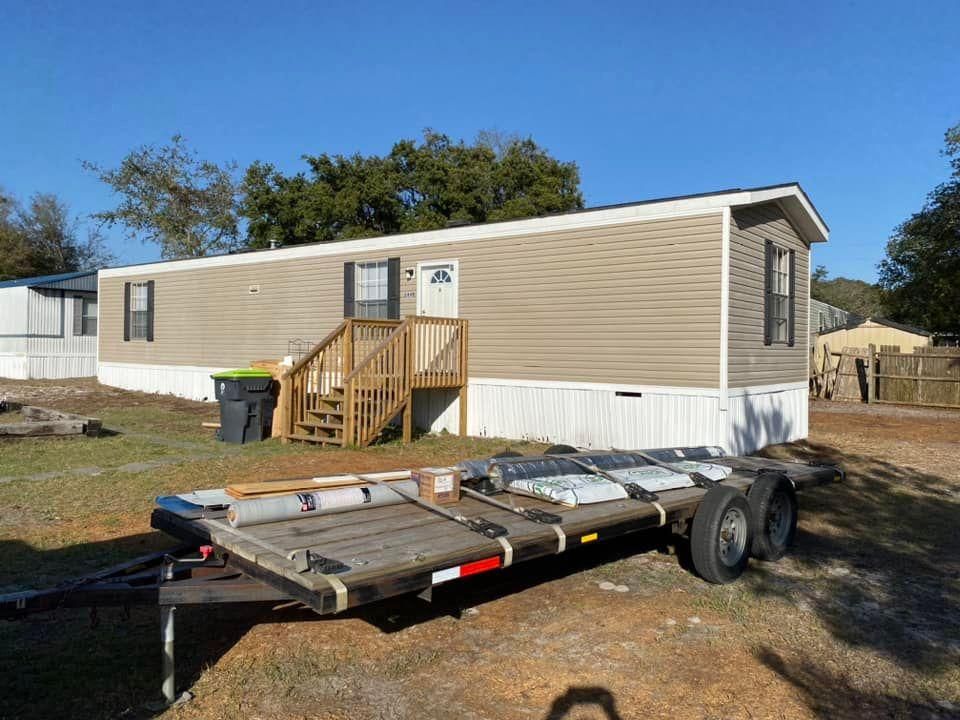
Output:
(439, 485)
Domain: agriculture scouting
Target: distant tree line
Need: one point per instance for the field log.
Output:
(192, 207)
(41, 237)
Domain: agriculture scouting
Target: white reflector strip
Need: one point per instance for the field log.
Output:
(443, 575)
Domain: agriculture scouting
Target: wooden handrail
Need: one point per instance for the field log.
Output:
(395, 358)
(318, 348)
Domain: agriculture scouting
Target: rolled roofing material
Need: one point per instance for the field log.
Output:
(310, 504)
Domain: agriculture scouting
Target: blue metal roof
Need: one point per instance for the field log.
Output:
(44, 279)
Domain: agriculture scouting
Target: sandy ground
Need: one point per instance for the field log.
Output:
(862, 620)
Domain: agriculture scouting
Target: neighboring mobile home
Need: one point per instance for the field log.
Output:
(824, 316)
(48, 326)
(669, 322)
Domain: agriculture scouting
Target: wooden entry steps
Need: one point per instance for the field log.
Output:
(363, 374)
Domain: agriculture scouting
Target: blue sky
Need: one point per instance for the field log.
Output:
(650, 99)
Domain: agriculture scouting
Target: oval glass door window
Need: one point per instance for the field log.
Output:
(440, 276)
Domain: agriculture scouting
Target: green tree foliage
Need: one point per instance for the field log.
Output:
(417, 186)
(41, 238)
(856, 296)
(169, 196)
(920, 275)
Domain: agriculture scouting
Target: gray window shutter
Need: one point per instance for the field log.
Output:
(77, 315)
(126, 312)
(791, 304)
(393, 288)
(349, 285)
(767, 292)
(149, 310)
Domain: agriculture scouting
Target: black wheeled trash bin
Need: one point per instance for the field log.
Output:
(246, 404)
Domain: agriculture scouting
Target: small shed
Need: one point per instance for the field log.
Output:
(861, 333)
(48, 326)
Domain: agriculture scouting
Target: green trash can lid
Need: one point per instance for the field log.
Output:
(241, 374)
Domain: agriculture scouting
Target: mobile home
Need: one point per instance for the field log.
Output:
(677, 321)
(48, 326)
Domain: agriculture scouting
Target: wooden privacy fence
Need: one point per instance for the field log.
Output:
(927, 376)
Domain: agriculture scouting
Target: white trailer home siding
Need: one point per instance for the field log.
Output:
(48, 327)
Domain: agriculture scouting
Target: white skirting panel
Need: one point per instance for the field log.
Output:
(184, 381)
(592, 417)
(61, 366)
(764, 416)
(13, 366)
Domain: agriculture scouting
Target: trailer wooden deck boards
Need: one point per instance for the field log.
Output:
(403, 548)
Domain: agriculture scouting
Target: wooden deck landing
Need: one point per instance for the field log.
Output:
(396, 549)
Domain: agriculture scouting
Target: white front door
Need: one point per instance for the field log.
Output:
(438, 291)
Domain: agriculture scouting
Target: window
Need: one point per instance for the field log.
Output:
(139, 311)
(371, 292)
(440, 276)
(780, 294)
(823, 321)
(372, 289)
(779, 288)
(88, 317)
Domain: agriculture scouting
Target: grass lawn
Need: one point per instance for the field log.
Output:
(862, 620)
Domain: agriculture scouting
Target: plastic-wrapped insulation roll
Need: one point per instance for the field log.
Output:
(703, 452)
(506, 471)
(257, 511)
(474, 469)
(613, 460)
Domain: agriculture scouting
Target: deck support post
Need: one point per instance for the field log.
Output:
(167, 686)
(463, 409)
(408, 419)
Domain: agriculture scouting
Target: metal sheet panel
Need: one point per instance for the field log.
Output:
(767, 418)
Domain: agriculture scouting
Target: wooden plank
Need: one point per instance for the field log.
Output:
(37, 429)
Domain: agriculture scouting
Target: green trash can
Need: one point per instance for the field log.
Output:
(246, 404)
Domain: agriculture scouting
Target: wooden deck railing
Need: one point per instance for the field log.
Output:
(364, 373)
(319, 375)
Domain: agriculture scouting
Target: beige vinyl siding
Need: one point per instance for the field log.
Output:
(750, 361)
(634, 304)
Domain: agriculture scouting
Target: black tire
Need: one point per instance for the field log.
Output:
(773, 502)
(505, 455)
(560, 450)
(720, 537)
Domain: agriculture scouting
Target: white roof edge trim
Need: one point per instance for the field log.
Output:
(808, 220)
(663, 210)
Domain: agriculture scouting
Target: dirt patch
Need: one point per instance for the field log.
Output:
(87, 396)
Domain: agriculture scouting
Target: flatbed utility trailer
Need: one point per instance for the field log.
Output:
(334, 562)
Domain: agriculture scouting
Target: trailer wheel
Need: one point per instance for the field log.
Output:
(560, 450)
(720, 537)
(773, 502)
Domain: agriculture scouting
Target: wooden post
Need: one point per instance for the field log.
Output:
(920, 379)
(828, 384)
(464, 374)
(286, 407)
(348, 350)
(408, 419)
(871, 363)
(463, 410)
